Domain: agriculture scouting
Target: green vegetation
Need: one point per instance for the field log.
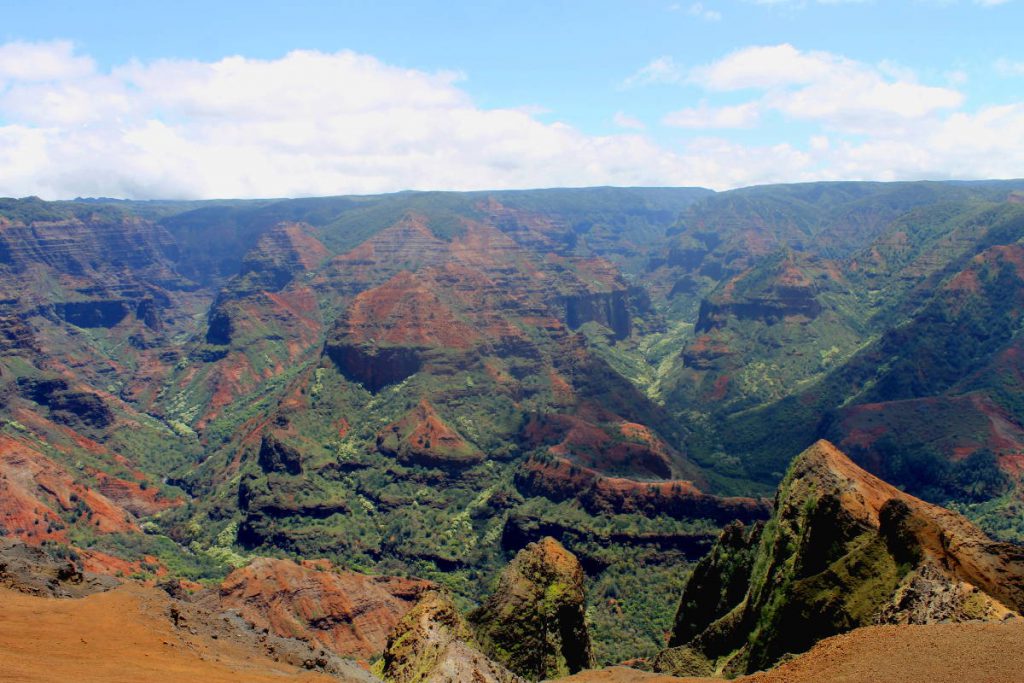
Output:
(885, 315)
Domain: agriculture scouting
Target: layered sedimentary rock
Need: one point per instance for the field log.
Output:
(350, 614)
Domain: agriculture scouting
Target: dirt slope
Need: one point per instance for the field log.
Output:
(935, 653)
(121, 635)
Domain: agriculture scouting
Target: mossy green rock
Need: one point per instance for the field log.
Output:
(843, 549)
(534, 622)
(432, 644)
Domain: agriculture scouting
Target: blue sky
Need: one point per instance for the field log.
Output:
(188, 99)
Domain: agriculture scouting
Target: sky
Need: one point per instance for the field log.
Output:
(212, 99)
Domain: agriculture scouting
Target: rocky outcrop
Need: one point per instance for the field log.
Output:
(16, 336)
(56, 573)
(534, 622)
(387, 331)
(95, 313)
(281, 254)
(421, 437)
(782, 286)
(348, 613)
(719, 581)
(432, 644)
(67, 405)
(278, 456)
(375, 368)
(768, 310)
(606, 443)
(610, 309)
(843, 549)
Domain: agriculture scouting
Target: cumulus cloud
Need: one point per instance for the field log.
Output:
(313, 123)
(308, 123)
(20, 61)
(812, 85)
(872, 121)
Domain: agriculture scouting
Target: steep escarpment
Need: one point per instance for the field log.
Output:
(388, 330)
(785, 317)
(929, 392)
(843, 549)
(534, 622)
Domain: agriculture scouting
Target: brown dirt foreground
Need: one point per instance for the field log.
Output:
(938, 653)
(121, 635)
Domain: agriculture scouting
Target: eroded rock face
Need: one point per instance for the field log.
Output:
(66, 404)
(718, 582)
(843, 549)
(35, 571)
(348, 613)
(534, 622)
(432, 644)
(610, 309)
(277, 456)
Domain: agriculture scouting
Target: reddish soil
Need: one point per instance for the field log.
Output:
(346, 612)
(605, 443)
(406, 312)
(960, 425)
(937, 653)
(422, 436)
(121, 635)
(33, 488)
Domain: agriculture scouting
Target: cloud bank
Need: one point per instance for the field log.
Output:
(308, 123)
(314, 123)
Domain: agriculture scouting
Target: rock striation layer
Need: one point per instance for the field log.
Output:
(348, 613)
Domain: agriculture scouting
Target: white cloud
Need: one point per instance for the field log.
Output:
(767, 66)
(736, 116)
(825, 87)
(862, 121)
(623, 120)
(20, 61)
(311, 123)
(662, 70)
(308, 123)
